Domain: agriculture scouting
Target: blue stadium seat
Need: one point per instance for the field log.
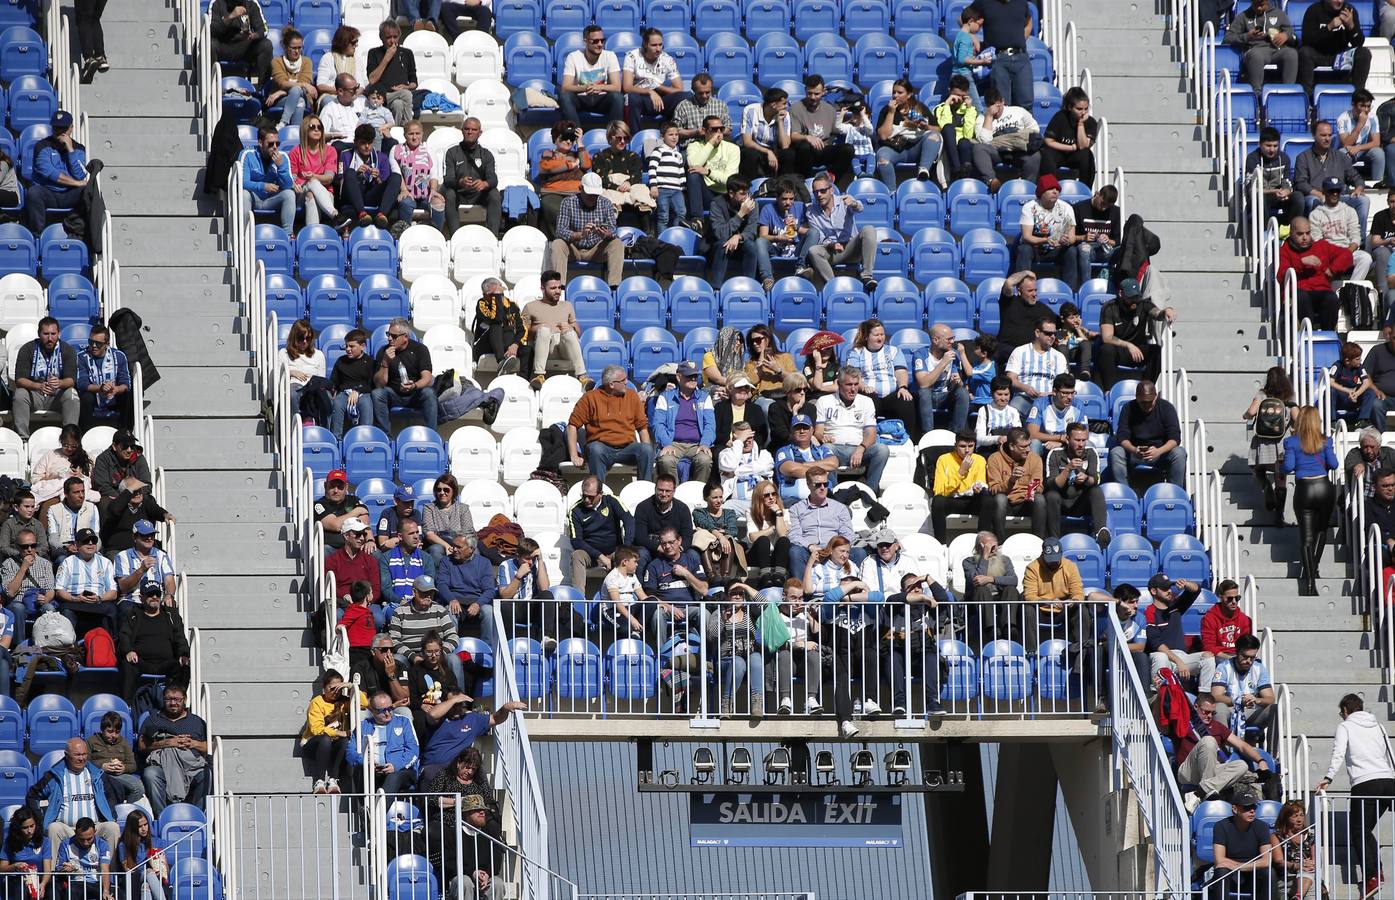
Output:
(878, 204)
(1204, 820)
(928, 60)
(813, 17)
(1124, 512)
(1046, 102)
(1007, 673)
(593, 140)
(517, 16)
(1183, 556)
(51, 721)
(686, 53)
(16, 775)
(1043, 64)
(632, 670)
(60, 254)
(371, 251)
(381, 299)
(32, 102)
(652, 347)
(1244, 104)
(986, 295)
(796, 303)
(617, 15)
(319, 250)
(1012, 196)
(376, 494)
(273, 248)
(331, 343)
(766, 17)
(863, 17)
(829, 55)
(712, 16)
(1090, 397)
(1082, 550)
(899, 304)
(1285, 108)
(934, 254)
(22, 52)
(728, 56)
(565, 17)
(318, 42)
(699, 341)
(919, 204)
(1053, 670)
(72, 300)
(1054, 292)
(76, 334)
(576, 669)
(1167, 510)
(690, 260)
(1122, 392)
(283, 297)
(320, 453)
(409, 877)
(602, 347)
(668, 15)
(28, 139)
(481, 652)
(986, 255)
(692, 304)
(912, 17)
(1090, 299)
(11, 727)
(367, 453)
(530, 669)
(744, 303)
(1131, 560)
(420, 454)
(18, 252)
(795, 340)
(949, 302)
(1330, 101)
(971, 207)
(593, 301)
(528, 56)
(846, 304)
(331, 301)
(737, 93)
(960, 680)
(778, 57)
(877, 55)
(316, 14)
(641, 304)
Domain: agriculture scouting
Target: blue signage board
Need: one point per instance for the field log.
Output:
(794, 819)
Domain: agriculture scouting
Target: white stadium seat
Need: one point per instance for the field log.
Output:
(450, 349)
(477, 56)
(558, 395)
(538, 506)
(434, 302)
(520, 406)
(521, 454)
(474, 453)
(422, 250)
(523, 248)
(22, 300)
(474, 250)
(430, 51)
(486, 498)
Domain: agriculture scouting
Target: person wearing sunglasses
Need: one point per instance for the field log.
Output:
(835, 238)
(103, 383)
(591, 79)
(266, 177)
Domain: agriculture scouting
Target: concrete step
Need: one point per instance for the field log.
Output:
(1171, 230)
(281, 656)
(1222, 353)
(179, 149)
(237, 700)
(256, 485)
(214, 565)
(1296, 652)
(201, 393)
(1315, 705)
(1237, 285)
(1208, 253)
(225, 612)
(181, 277)
(255, 764)
(1161, 143)
(1142, 56)
(141, 241)
(139, 11)
(139, 189)
(212, 444)
(140, 92)
(1239, 326)
(212, 534)
(151, 45)
(215, 340)
(220, 506)
(1210, 306)
(1286, 614)
(1125, 100)
(1215, 396)
(237, 552)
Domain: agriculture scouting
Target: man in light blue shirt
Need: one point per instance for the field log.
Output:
(816, 521)
(1242, 685)
(834, 238)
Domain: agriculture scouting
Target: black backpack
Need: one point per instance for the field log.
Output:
(1271, 419)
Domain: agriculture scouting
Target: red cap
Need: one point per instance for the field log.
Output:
(337, 475)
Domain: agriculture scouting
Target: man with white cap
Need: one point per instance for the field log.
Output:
(586, 231)
(144, 564)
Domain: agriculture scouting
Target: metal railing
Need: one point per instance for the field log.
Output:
(1346, 856)
(668, 895)
(208, 78)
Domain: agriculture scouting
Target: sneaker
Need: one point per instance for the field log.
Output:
(319, 785)
(1191, 801)
(536, 382)
(803, 272)
(331, 785)
(398, 228)
(726, 706)
(899, 711)
(509, 365)
(922, 174)
(869, 285)
(786, 707)
(935, 710)
(364, 220)
(489, 411)
(380, 220)
(871, 708)
(548, 645)
(587, 382)
(813, 707)
(104, 66)
(849, 729)
(1102, 538)
(758, 705)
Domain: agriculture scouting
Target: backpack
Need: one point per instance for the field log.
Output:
(52, 630)
(101, 649)
(1270, 419)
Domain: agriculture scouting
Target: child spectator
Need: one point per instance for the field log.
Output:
(995, 419)
(1349, 385)
(969, 60)
(622, 591)
(357, 620)
(982, 370)
(380, 117)
(667, 179)
(352, 382)
(1075, 340)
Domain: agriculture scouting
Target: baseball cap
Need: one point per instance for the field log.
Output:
(61, 119)
(338, 475)
(143, 526)
(1161, 582)
(687, 368)
(425, 584)
(591, 183)
(1047, 183)
(350, 525)
(1130, 287)
(405, 493)
(1244, 795)
(1050, 551)
(1332, 183)
(85, 536)
(151, 589)
(801, 422)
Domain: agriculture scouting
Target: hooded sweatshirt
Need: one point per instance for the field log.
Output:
(1362, 743)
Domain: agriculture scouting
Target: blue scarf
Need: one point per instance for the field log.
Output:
(46, 365)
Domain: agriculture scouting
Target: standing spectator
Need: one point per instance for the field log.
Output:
(396, 753)
(906, 135)
(960, 485)
(1320, 162)
(91, 39)
(765, 136)
(1196, 753)
(814, 128)
(1315, 263)
(1006, 26)
(668, 178)
(1097, 231)
(1361, 745)
(957, 120)
(1005, 136)
(740, 665)
(1014, 476)
(1309, 457)
(1073, 483)
(1380, 368)
(712, 161)
(292, 80)
(1033, 368)
(469, 177)
(1269, 412)
(1264, 36)
(1126, 334)
(586, 230)
(781, 229)
(1359, 135)
(175, 742)
(967, 55)
(60, 173)
(1330, 29)
(835, 239)
(551, 323)
(650, 78)
(393, 68)
(445, 518)
(885, 375)
(314, 168)
(597, 525)
(367, 179)
(1223, 625)
(1048, 232)
(591, 79)
(801, 457)
(103, 382)
(1369, 458)
(420, 190)
(1148, 433)
(685, 426)
(325, 737)
(1274, 170)
(1335, 222)
(731, 234)
(1242, 688)
(817, 520)
(239, 35)
(1242, 846)
(848, 426)
(617, 430)
(151, 642)
(1069, 139)
(402, 376)
(266, 177)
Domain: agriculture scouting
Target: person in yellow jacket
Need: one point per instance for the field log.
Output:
(957, 119)
(1053, 593)
(960, 484)
(325, 737)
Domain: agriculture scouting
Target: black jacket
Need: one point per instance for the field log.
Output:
(118, 518)
(153, 637)
(777, 422)
(228, 32)
(649, 522)
(754, 414)
(462, 162)
(126, 327)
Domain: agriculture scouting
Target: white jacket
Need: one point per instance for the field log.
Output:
(1361, 743)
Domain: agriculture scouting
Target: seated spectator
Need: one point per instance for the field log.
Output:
(834, 238)
(266, 178)
(1073, 483)
(1330, 29)
(906, 134)
(325, 737)
(24, 518)
(1380, 512)
(591, 80)
(76, 791)
(651, 80)
(525, 582)
(1015, 484)
(65, 520)
(1033, 368)
(598, 525)
(744, 465)
(551, 324)
(1381, 239)
(655, 513)
(731, 234)
(1049, 416)
(885, 375)
(1132, 626)
(685, 427)
(476, 12)
(801, 457)
(817, 520)
(1242, 688)
(957, 120)
(303, 359)
(1297, 861)
(766, 128)
(767, 533)
(1022, 314)
(419, 186)
(780, 413)
(175, 744)
(1097, 232)
(109, 751)
(739, 406)
(412, 621)
(1353, 400)
(132, 505)
(1048, 233)
(67, 460)
(353, 562)
(394, 743)
(143, 565)
(887, 564)
(712, 160)
(1075, 341)
(1264, 36)
(622, 174)
(561, 168)
(693, 112)
(1359, 136)
(989, 577)
(499, 329)
(467, 583)
(766, 370)
(617, 430)
(1225, 623)
(103, 382)
(45, 378)
(84, 862)
(1006, 135)
(399, 568)
(801, 654)
(435, 691)
(998, 417)
(1053, 596)
(1335, 222)
(86, 586)
(1166, 642)
(724, 361)
(1148, 433)
(1320, 162)
(1243, 847)
(1068, 140)
(675, 579)
(814, 132)
(366, 179)
(469, 176)
(151, 642)
(341, 59)
(387, 533)
(740, 665)
(959, 486)
(28, 582)
(292, 80)
(314, 167)
(939, 381)
(1274, 170)
(980, 366)
(717, 533)
(341, 114)
(403, 376)
(337, 507)
(848, 426)
(1315, 263)
(1126, 334)
(1369, 457)
(121, 460)
(1380, 368)
(586, 231)
(912, 641)
(239, 35)
(393, 68)
(385, 672)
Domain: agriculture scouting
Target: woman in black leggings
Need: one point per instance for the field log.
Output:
(1309, 456)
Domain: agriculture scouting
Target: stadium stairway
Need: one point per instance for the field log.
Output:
(1321, 647)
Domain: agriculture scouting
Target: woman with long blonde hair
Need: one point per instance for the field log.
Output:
(1309, 457)
(313, 165)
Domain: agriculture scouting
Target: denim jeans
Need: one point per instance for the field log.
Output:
(670, 209)
(385, 398)
(922, 153)
(736, 670)
(293, 107)
(340, 409)
(413, 9)
(874, 458)
(1173, 462)
(611, 105)
(1375, 162)
(600, 457)
(407, 207)
(1012, 76)
(1029, 257)
(754, 261)
(282, 202)
(957, 400)
(1086, 255)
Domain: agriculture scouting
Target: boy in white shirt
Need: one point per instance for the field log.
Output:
(622, 591)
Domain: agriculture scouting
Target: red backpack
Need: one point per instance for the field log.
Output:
(101, 650)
